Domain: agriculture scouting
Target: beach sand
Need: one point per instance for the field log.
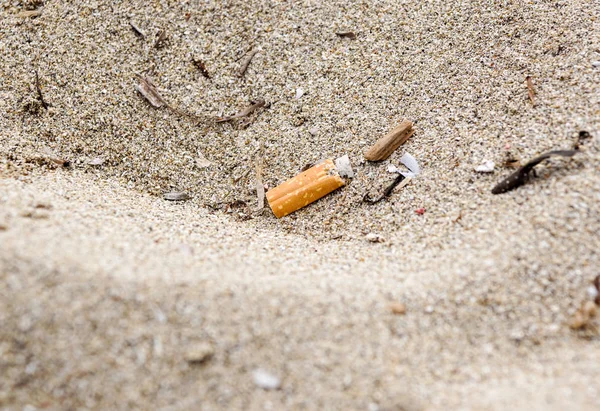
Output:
(108, 292)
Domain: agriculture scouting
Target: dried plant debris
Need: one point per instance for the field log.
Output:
(582, 137)
(176, 196)
(38, 89)
(248, 110)
(138, 32)
(48, 154)
(246, 62)
(347, 35)
(387, 144)
(530, 90)
(583, 317)
(388, 191)
(260, 187)
(148, 90)
(161, 37)
(202, 162)
(202, 67)
(519, 177)
(30, 13)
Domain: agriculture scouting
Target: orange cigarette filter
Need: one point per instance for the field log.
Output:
(305, 188)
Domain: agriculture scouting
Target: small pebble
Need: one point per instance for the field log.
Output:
(96, 161)
(596, 63)
(420, 211)
(486, 167)
(375, 238)
(398, 308)
(199, 353)
(266, 380)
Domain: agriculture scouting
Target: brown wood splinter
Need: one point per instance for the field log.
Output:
(387, 144)
(304, 189)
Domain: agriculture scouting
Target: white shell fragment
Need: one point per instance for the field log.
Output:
(486, 167)
(411, 163)
(266, 380)
(299, 93)
(344, 167)
(592, 292)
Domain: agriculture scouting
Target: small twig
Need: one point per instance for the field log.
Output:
(388, 190)
(39, 92)
(530, 90)
(260, 187)
(246, 62)
(349, 35)
(519, 177)
(248, 110)
(148, 90)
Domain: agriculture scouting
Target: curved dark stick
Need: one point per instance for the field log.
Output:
(519, 177)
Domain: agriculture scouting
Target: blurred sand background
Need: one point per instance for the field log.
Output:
(112, 297)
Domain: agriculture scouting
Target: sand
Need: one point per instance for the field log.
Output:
(108, 292)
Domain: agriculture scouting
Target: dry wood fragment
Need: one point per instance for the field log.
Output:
(30, 13)
(56, 159)
(348, 34)
(248, 110)
(387, 144)
(260, 187)
(530, 90)
(304, 189)
(148, 90)
(246, 62)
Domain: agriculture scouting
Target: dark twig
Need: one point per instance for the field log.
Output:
(39, 92)
(349, 35)
(248, 110)
(519, 177)
(388, 191)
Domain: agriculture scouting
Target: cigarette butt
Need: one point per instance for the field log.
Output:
(387, 144)
(304, 189)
